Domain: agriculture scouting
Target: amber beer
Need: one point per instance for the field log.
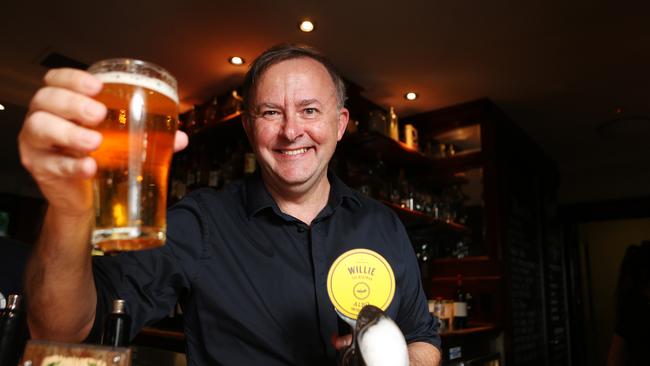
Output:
(133, 160)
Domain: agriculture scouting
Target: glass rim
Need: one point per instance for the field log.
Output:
(126, 62)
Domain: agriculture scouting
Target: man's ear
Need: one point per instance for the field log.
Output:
(344, 118)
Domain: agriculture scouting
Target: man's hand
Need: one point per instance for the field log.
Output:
(57, 137)
(423, 354)
(342, 341)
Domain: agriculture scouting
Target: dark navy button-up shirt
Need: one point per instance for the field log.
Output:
(251, 280)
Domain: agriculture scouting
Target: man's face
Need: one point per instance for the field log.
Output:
(294, 124)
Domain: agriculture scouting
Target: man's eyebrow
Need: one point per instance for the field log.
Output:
(266, 105)
(306, 102)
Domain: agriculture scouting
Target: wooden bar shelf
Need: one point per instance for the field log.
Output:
(229, 121)
(473, 330)
(416, 218)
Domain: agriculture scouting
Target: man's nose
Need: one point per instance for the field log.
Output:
(293, 128)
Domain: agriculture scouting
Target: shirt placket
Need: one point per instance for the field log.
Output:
(326, 314)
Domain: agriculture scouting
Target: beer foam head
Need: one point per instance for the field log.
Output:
(159, 86)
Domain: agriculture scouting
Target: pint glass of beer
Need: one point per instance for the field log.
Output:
(130, 186)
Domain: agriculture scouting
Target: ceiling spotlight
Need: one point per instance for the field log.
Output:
(306, 26)
(411, 96)
(236, 60)
(2, 108)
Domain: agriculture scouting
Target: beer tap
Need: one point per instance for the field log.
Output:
(376, 340)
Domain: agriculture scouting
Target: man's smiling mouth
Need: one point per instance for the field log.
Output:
(294, 152)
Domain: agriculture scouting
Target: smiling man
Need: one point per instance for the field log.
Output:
(294, 120)
(248, 264)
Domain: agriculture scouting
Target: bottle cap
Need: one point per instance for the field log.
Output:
(119, 306)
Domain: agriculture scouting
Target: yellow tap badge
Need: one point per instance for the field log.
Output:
(360, 277)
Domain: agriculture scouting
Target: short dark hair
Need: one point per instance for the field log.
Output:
(283, 52)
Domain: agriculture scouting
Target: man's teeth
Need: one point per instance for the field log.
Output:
(295, 152)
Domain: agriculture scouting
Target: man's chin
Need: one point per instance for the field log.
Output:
(298, 181)
(293, 181)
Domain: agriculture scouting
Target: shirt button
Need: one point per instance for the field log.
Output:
(301, 228)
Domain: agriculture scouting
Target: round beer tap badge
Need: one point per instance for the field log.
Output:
(360, 277)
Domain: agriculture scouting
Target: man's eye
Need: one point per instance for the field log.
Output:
(310, 111)
(270, 113)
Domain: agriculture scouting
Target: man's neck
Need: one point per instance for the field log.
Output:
(300, 202)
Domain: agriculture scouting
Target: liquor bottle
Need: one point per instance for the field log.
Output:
(393, 125)
(12, 331)
(117, 326)
(237, 160)
(202, 167)
(460, 305)
(250, 163)
(211, 114)
(379, 180)
(214, 175)
(227, 170)
(377, 122)
(233, 104)
(191, 123)
(178, 178)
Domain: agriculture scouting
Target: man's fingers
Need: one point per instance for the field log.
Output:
(43, 130)
(51, 165)
(180, 141)
(69, 105)
(342, 341)
(76, 80)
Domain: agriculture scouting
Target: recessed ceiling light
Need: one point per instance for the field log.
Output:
(2, 108)
(411, 96)
(236, 60)
(306, 26)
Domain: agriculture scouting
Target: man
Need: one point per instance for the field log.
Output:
(248, 264)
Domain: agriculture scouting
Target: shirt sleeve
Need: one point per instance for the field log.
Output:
(413, 317)
(151, 281)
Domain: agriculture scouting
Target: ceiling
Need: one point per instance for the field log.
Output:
(559, 69)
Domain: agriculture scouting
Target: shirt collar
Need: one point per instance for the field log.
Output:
(258, 197)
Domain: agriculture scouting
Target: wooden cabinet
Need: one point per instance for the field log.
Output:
(519, 282)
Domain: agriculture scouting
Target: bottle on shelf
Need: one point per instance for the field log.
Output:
(378, 180)
(411, 136)
(228, 170)
(12, 331)
(442, 312)
(203, 167)
(250, 163)
(117, 326)
(234, 103)
(189, 124)
(214, 175)
(190, 172)
(393, 125)
(177, 183)
(211, 114)
(377, 122)
(237, 160)
(460, 305)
